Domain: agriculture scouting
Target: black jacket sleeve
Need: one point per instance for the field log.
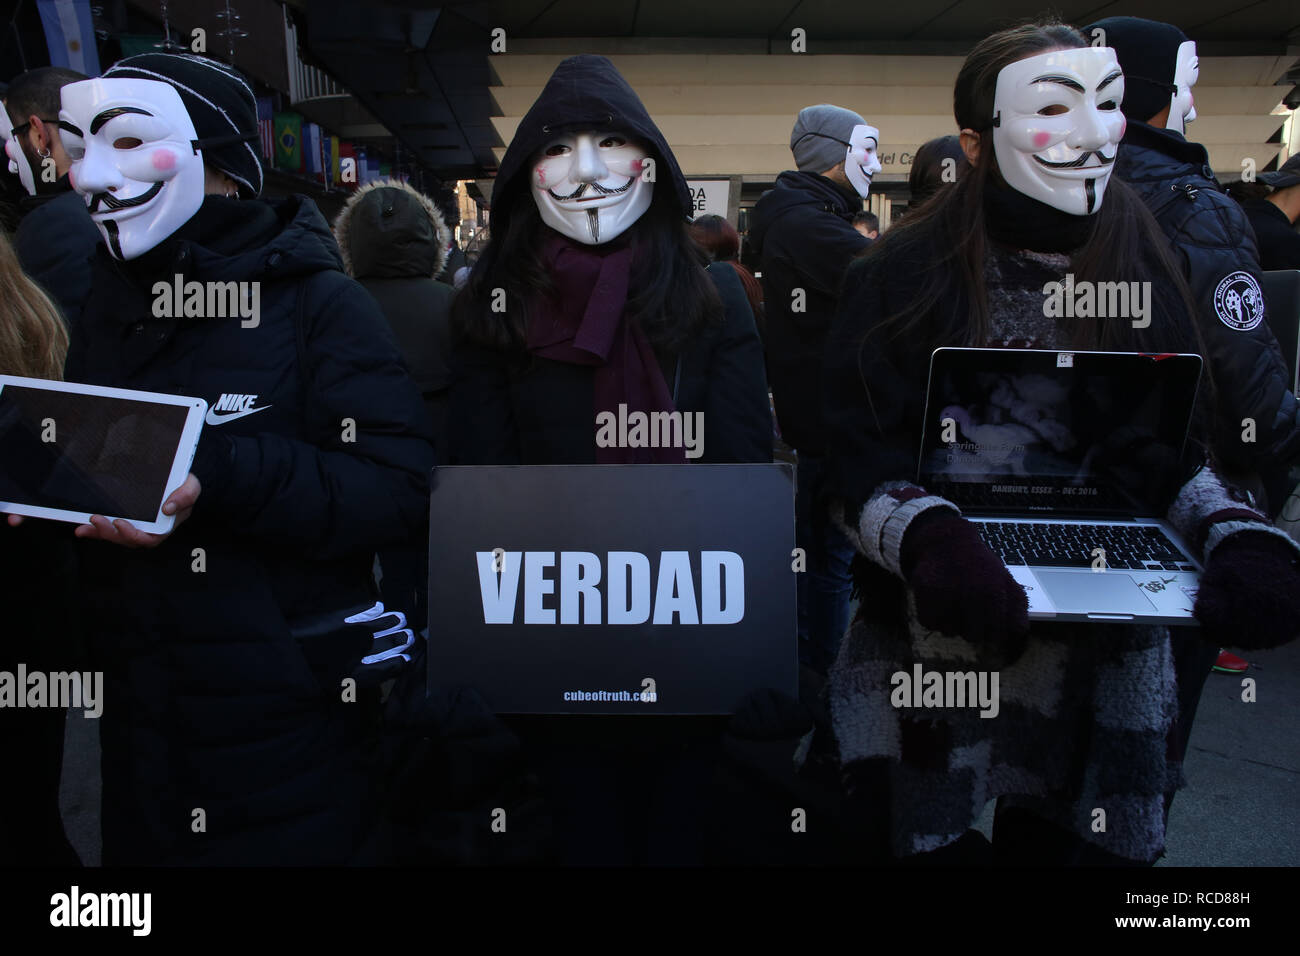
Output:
(873, 390)
(1247, 365)
(363, 482)
(54, 244)
(737, 414)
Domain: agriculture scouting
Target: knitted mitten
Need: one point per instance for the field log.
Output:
(1249, 594)
(961, 586)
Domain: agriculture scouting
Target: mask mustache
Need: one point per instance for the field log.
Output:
(1080, 162)
(111, 203)
(595, 187)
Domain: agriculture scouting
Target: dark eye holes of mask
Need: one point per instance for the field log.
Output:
(1056, 109)
(609, 142)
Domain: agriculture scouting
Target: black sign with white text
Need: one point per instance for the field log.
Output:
(613, 589)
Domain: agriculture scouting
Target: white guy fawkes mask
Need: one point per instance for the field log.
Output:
(1182, 107)
(1057, 126)
(860, 162)
(134, 158)
(16, 158)
(589, 185)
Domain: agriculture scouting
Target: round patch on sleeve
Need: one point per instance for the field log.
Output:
(1238, 302)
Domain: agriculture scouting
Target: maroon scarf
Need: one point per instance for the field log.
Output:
(583, 323)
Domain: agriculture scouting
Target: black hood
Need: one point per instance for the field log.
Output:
(583, 92)
(795, 188)
(389, 230)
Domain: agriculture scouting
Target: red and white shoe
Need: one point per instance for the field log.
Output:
(1229, 663)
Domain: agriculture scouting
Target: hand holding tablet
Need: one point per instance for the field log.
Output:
(114, 461)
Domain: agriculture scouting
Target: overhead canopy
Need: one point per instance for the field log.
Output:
(723, 80)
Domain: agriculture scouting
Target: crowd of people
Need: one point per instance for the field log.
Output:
(369, 367)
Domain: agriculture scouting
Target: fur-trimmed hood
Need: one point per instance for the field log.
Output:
(388, 230)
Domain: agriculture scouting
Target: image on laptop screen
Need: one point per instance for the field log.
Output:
(1021, 430)
(110, 456)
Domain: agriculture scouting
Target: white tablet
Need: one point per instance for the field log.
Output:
(69, 451)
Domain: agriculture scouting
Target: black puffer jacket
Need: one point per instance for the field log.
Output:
(394, 242)
(55, 242)
(1216, 247)
(802, 230)
(220, 696)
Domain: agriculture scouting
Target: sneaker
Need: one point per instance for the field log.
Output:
(1229, 663)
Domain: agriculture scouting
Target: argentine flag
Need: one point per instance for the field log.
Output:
(70, 34)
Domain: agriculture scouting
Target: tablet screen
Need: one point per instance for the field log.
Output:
(86, 453)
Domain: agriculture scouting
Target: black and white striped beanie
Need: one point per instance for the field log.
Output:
(220, 103)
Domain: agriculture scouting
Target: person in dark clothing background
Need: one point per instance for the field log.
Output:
(37, 601)
(1215, 246)
(937, 163)
(721, 243)
(604, 306)
(867, 223)
(55, 238)
(225, 689)
(1212, 239)
(1272, 204)
(803, 233)
(394, 241)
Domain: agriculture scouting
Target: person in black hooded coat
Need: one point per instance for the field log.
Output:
(624, 789)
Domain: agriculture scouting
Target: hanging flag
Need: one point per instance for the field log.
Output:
(288, 142)
(266, 126)
(70, 34)
(311, 149)
(326, 170)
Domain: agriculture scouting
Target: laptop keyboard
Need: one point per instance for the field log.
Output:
(1128, 547)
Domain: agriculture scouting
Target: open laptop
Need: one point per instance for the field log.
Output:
(1067, 462)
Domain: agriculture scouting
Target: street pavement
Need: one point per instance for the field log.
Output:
(1241, 805)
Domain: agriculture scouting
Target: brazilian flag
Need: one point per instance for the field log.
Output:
(288, 142)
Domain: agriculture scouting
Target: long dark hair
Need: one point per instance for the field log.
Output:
(669, 294)
(1125, 243)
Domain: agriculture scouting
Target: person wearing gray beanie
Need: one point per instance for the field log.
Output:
(821, 136)
(802, 231)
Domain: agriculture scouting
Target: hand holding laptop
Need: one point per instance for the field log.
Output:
(961, 586)
(1249, 594)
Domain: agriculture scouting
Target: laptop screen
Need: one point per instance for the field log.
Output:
(1020, 430)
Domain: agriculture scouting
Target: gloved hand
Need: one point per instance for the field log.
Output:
(962, 587)
(1249, 594)
(390, 646)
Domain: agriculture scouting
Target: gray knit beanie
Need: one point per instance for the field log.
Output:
(820, 137)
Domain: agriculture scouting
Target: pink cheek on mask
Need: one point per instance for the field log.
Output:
(163, 161)
(637, 165)
(1041, 140)
(72, 181)
(541, 175)
(1123, 127)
